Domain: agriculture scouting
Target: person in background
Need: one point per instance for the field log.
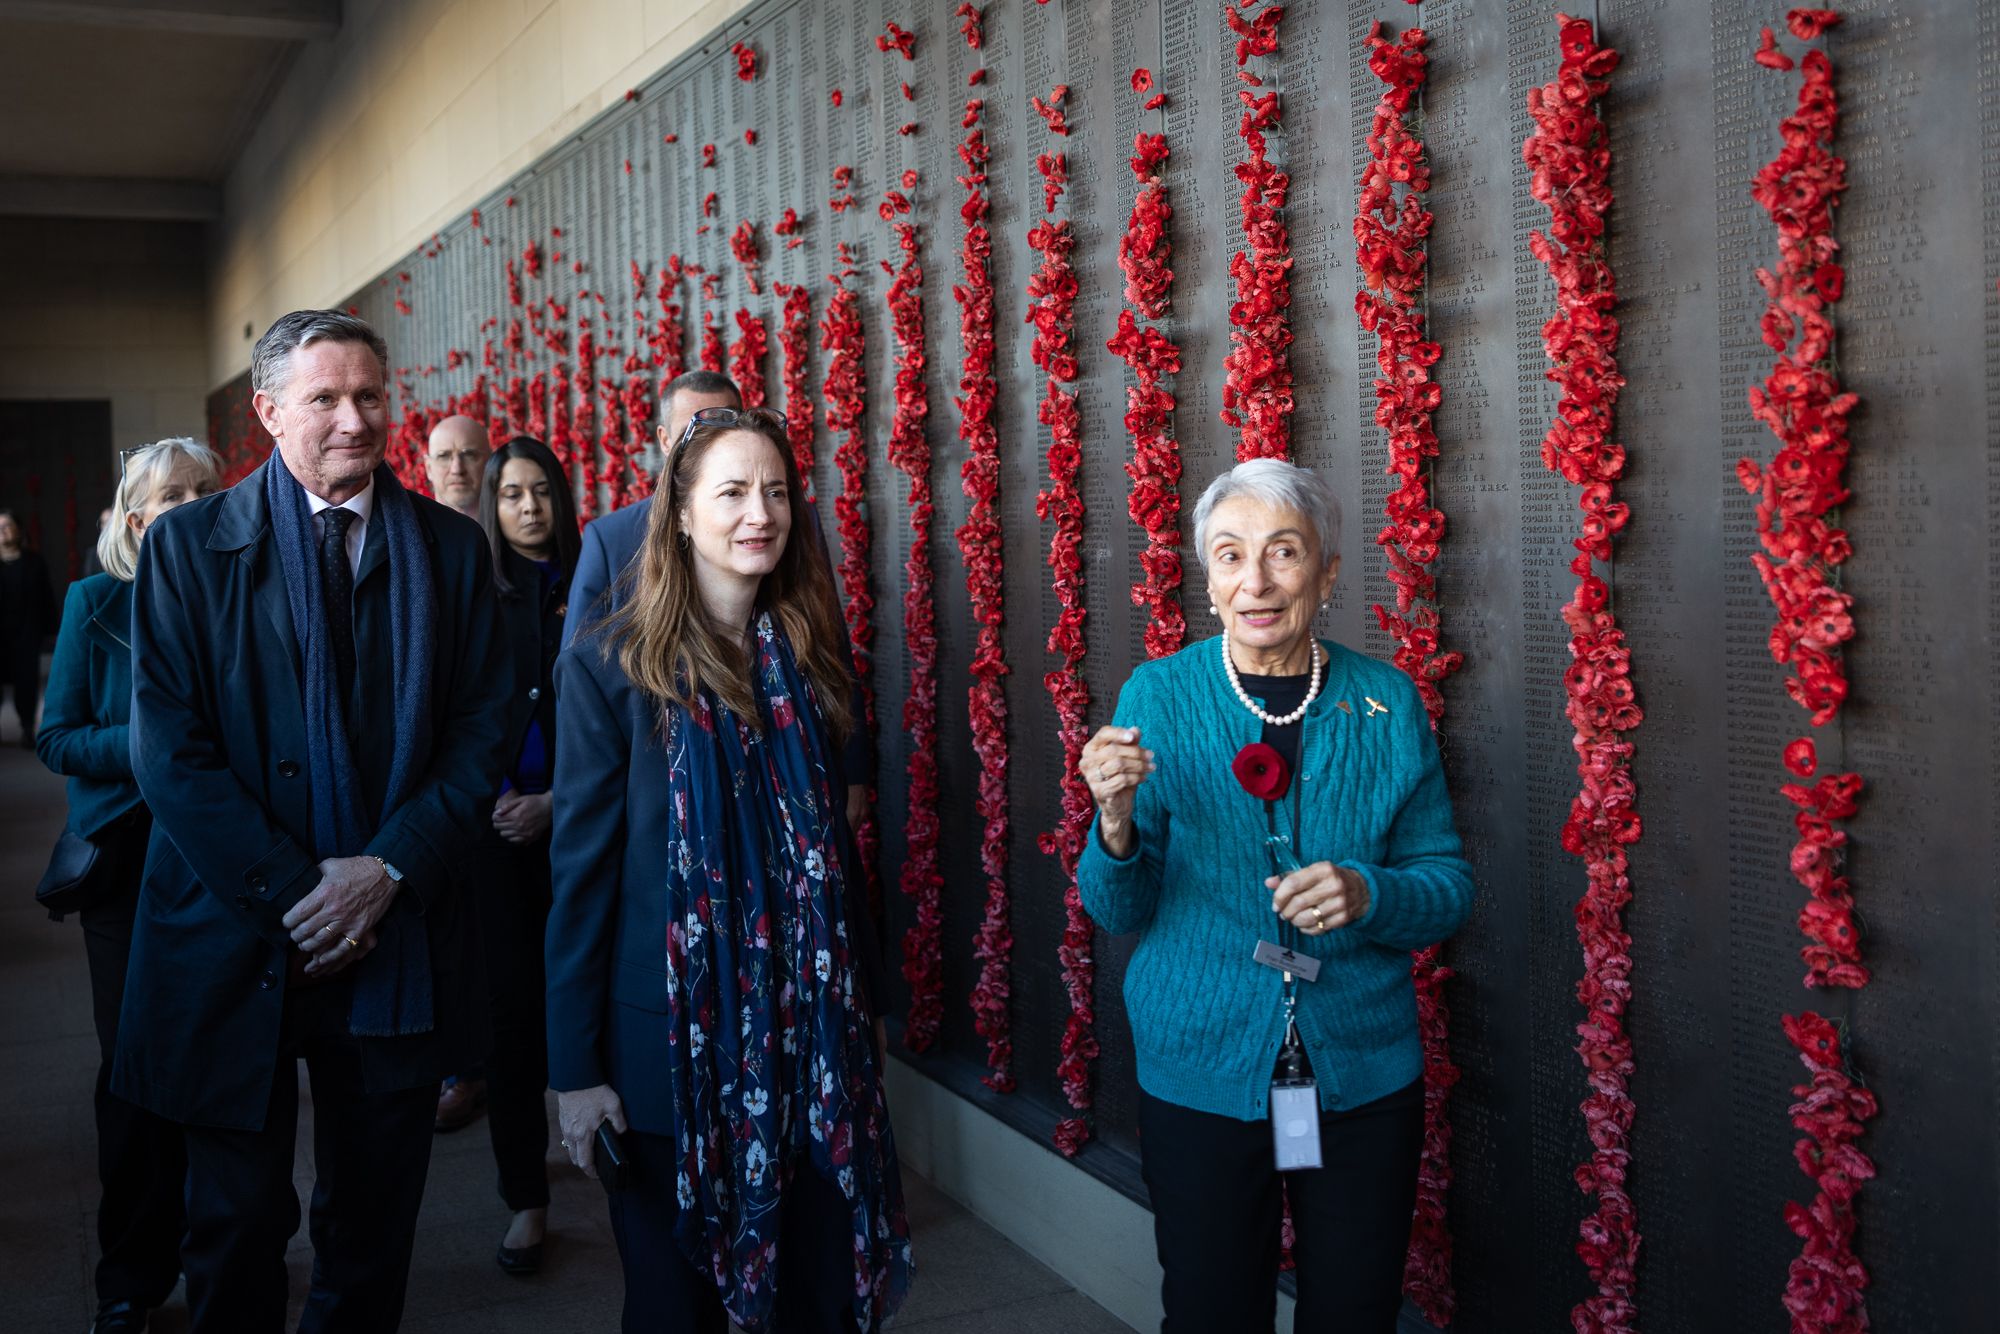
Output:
(454, 461)
(318, 691)
(703, 995)
(1263, 791)
(141, 1157)
(93, 559)
(529, 515)
(27, 619)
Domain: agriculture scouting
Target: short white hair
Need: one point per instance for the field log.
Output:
(1283, 486)
(145, 468)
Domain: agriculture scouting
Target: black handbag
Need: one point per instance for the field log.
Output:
(85, 872)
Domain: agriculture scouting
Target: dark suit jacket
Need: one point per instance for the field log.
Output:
(611, 543)
(89, 702)
(533, 628)
(218, 746)
(606, 945)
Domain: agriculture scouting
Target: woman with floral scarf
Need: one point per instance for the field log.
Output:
(702, 964)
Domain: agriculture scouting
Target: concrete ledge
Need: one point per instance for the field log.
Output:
(1096, 1238)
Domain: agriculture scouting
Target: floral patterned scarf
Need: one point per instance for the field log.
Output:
(773, 1065)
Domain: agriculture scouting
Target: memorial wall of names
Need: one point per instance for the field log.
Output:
(1714, 940)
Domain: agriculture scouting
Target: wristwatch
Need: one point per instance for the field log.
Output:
(395, 876)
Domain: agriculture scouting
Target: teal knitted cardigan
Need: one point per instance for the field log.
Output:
(1207, 1020)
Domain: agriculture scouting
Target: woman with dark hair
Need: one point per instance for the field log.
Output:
(530, 520)
(702, 959)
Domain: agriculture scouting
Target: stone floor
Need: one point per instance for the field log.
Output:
(969, 1277)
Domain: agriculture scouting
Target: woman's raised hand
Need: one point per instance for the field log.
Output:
(1114, 764)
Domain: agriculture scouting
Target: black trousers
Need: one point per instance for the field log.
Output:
(370, 1155)
(1217, 1213)
(664, 1294)
(513, 918)
(141, 1158)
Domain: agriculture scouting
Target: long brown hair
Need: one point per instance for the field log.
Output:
(666, 643)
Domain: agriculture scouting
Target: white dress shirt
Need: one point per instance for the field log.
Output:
(363, 506)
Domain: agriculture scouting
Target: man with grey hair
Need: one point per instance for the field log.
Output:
(455, 460)
(318, 693)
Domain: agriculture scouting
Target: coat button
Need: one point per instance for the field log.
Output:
(267, 981)
(288, 768)
(254, 881)
(534, 692)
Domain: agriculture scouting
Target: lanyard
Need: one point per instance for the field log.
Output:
(1285, 859)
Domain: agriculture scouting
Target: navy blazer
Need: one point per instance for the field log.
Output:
(88, 706)
(607, 931)
(611, 543)
(219, 750)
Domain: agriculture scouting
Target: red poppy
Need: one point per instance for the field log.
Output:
(1809, 24)
(1142, 79)
(1261, 771)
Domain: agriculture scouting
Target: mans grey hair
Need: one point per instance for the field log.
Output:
(145, 468)
(1281, 485)
(271, 359)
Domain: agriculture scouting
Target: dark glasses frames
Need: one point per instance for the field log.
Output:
(708, 417)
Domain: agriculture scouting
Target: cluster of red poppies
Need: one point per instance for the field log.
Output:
(746, 60)
(1823, 1290)
(1797, 494)
(981, 548)
(1052, 310)
(1155, 469)
(843, 398)
(1391, 226)
(1570, 157)
(746, 357)
(743, 245)
(1257, 380)
(637, 403)
(669, 338)
(792, 334)
(579, 439)
(712, 350)
(910, 454)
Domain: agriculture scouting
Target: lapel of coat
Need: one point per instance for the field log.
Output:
(244, 527)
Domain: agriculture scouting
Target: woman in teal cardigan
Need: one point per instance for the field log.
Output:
(1272, 821)
(141, 1158)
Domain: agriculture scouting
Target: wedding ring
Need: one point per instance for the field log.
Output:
(565, 1144)
(352, 943)
(1318, 921)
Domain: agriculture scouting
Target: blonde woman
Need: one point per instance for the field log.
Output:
(141, 1158)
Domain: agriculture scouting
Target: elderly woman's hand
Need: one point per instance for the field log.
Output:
(1114, 764)
(1319, 898)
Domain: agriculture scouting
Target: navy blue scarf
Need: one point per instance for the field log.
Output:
(392, 986)
(773, 1062)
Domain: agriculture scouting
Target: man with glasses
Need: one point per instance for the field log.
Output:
(455, 460)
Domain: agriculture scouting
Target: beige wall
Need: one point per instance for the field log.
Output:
(413, 113)
(94, 309)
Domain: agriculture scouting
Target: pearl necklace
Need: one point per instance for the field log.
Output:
(1236, 684)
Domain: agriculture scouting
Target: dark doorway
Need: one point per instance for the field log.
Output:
(56, 474)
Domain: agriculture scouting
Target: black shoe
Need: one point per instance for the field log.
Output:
(519, 1261)
(119, 1318)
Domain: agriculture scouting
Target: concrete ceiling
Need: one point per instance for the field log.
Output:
(137, 108)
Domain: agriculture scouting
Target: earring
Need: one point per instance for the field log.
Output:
(1212, 611)
(682, 539)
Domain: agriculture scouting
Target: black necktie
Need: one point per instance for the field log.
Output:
(336, 579)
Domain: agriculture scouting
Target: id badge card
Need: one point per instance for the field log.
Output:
(1295, 1124)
